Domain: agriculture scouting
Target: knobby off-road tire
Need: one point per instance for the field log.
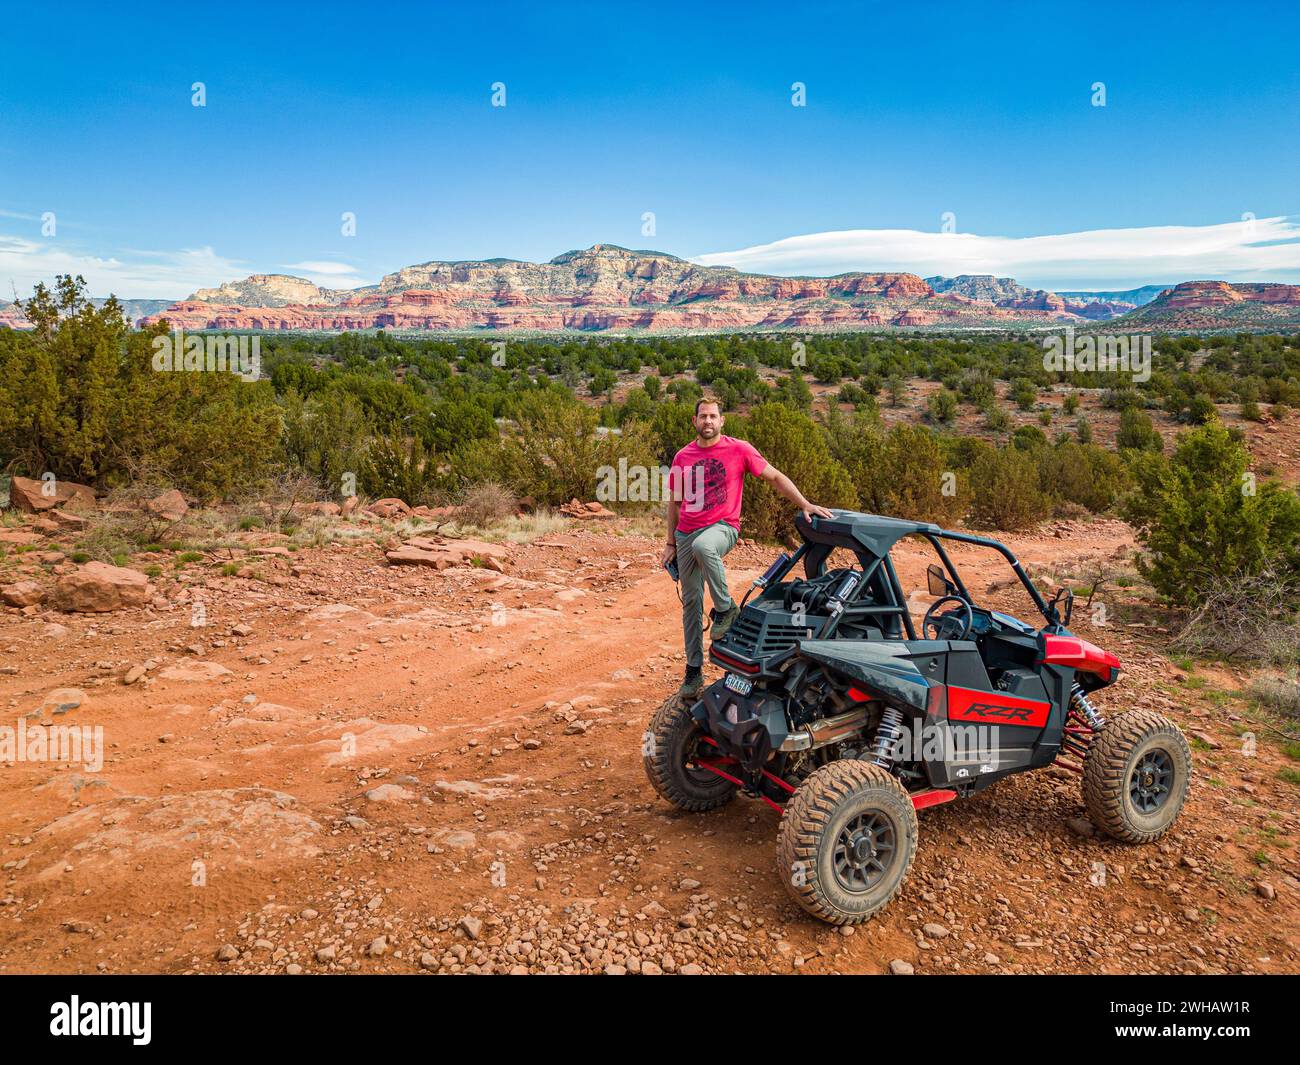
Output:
(1136, 776)
(846, 841)
(670, 742)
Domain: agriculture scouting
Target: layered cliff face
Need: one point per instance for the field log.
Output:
(1219, 305)
(984, 288)
(271, 290)
(11, 316)
(602, 288)
(607, 288)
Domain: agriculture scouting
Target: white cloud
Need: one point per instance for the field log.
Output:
(317, 266)
(327, 274)
(136, 275)
(1265, 249)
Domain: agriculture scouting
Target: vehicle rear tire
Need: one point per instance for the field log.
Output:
(846, 841)
(1136, 776)
(670, 743)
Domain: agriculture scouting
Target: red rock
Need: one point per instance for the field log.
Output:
(67, 519)
(575, 508)
(326, 508)
(349, 505)
(419, 556)
(29, 495)
(98, 588)
(170, 505)
(601, 288)
(389, 508)
(23, 593)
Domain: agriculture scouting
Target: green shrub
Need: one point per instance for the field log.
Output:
(1201, 409)
(558, 452)
(976, 387)
(1024, 393)
(1084, 474)
(896, 388)
(1028, 438)
(1005, 491)
(996, 418)
(906, 473)
(798, 447)
(1204, 522)
(942, 407)
(1136, 432)
(397, 467)
(79, 398)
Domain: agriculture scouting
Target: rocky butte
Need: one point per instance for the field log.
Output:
(610, 288)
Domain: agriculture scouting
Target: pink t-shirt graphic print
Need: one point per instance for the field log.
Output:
(711, 480)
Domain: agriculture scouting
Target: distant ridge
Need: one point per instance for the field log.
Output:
(611, 288)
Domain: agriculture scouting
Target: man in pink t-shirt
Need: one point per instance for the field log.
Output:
(705, 486)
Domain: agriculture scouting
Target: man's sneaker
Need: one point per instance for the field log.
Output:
(722, 622)
(692, 684)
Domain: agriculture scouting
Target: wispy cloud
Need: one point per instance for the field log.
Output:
(131, 275)
(1265, 249)
(318, 266)
(327, 274)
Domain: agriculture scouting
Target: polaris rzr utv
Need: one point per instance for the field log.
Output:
(837, 712)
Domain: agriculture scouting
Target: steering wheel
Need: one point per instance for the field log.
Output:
(956, 625)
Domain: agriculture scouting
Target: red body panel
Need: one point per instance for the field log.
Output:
(995, 708)
(1082, 655)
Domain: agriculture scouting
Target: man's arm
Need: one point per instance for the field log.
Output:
(785, 486)
(670, 548)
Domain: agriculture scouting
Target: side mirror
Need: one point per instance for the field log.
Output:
(1066, 596)
(937, 581)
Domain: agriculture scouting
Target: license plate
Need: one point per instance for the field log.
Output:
(739, 685)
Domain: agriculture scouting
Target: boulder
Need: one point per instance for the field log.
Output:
(98, 588)
(31, 496)
(24, 593)
(389, 508)
(438, 553)
(170, 505)
(575, 508)
(67, 520)
(408, 555)
(187, 669)
(349, 505)
(326, 508)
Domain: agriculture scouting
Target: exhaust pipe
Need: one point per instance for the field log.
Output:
(827, 730)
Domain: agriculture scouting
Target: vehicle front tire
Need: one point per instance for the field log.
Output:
(846, 841)
(671, 742)
(1136, 776)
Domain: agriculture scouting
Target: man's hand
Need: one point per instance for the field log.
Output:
(809, 509)
(785, 486)
(669, 553)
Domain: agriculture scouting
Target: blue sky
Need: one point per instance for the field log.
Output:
(683, 110)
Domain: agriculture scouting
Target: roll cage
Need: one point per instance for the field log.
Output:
(877, 591)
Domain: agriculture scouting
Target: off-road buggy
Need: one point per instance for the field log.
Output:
(837, 712)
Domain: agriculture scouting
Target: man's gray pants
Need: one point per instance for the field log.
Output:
(699, 559)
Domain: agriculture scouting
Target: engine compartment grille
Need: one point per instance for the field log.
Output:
(757, 633)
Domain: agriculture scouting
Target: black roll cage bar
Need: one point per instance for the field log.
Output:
(815, 555)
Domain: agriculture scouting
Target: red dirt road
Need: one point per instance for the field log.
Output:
(408, 770)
